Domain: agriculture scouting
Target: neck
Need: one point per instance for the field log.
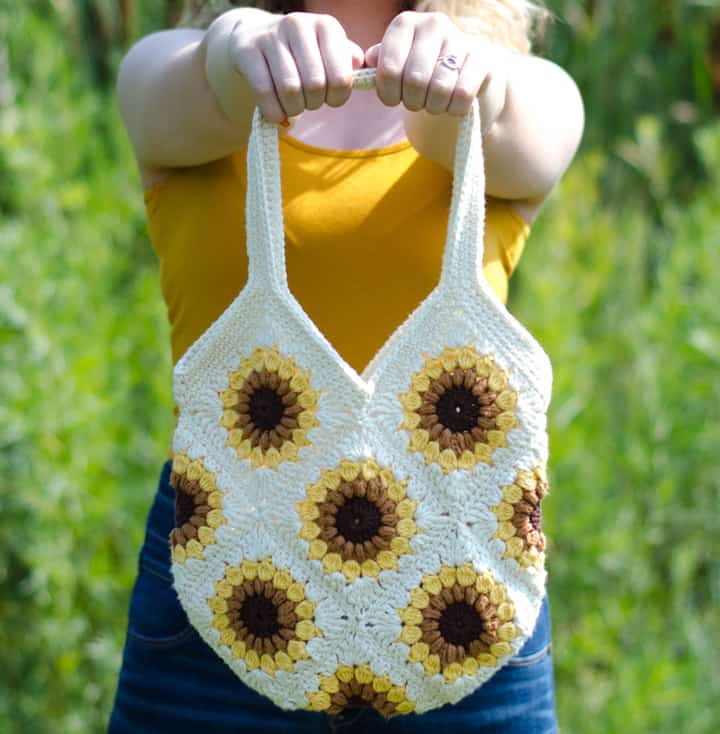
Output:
(364, 22)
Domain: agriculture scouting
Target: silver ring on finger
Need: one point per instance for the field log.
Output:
(449, 61)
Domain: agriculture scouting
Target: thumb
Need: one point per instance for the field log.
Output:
(358, 55)
(372, 55)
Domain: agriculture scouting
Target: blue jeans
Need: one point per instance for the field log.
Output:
(172, 682)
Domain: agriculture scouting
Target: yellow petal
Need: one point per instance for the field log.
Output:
(282, 579)
(295, 592)
(363, 674)
(418, 652)
(453, 672)
(432, 584)
(406, 528)
(466, 575)
(411, 615)
(400, 545)
(419, 598)
(370, 568)
(497, 595)
(470, 666)
(448, 460)
(268, 664)
(317, 549)
(506, 400)
(194, 549)
(351, 570)
(498, 381)
(448, 576)
(319, 701)
(329, 683)
(305, 610)
(296, 649)
(249, 569)
(507, 632)
(283, 661)
(227, 636)
(317, 493)
(410, 634)
(506, 611)
(500, 649)
(386, 559)
(512, 493)
(504, 511)
(332, 562)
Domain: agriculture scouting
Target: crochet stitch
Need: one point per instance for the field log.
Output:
(368, 539)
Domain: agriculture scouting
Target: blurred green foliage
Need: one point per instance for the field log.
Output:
(619, 283)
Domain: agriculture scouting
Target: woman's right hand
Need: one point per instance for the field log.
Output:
(295, 62)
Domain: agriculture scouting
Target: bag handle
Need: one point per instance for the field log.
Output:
(462, 257)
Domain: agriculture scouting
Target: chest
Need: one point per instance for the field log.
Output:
(362, 123)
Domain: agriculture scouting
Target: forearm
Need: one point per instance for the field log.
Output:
(173, 116)
(533, 138)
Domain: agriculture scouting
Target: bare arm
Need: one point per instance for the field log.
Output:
(172, 116)
(532, 140)
(187, 96)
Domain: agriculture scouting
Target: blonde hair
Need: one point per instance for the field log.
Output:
(511, 23)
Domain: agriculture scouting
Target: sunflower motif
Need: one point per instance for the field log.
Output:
(198, 508)
(520, 518)
(357, 686)
(457, 621)
(263, 616)
(357, 519)
(459, 409)
(269, 408)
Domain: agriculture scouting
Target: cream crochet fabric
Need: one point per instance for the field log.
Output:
(372, 538)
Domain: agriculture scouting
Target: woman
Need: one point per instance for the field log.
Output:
(366, 190)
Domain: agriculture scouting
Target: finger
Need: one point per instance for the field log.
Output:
(443, 82)
(372, 55)
(492, 96)
(253, 66)
(303, 44)
(394, 50)
(420, 66)
(337, 57)
(285, 76)
(472, 74)
(358, 55)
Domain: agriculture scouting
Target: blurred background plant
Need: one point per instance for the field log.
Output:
(620, 283)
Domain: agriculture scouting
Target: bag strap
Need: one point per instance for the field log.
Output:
(462, 257)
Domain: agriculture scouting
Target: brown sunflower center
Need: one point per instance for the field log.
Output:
(184, 507)
(356, 701)
(458, 409)
(260, 616)
(266, 408)
(358, 519)
(536, 518)
(460, 624)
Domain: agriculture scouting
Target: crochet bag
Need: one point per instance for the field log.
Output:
(371, 538)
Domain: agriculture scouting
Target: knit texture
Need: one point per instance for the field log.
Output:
(367, 539)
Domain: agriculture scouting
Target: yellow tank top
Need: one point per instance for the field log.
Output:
(365, 231)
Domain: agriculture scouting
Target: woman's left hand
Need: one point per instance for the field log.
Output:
(409, 71)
